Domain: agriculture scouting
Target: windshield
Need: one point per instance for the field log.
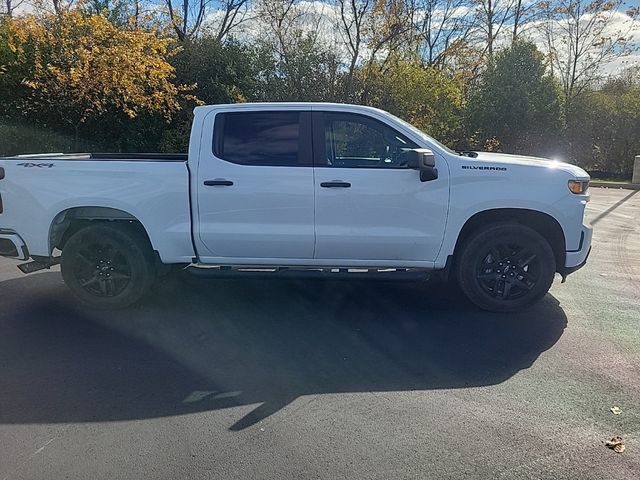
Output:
(424, 136)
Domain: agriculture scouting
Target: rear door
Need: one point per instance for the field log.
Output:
(370, 207)
(255, 196)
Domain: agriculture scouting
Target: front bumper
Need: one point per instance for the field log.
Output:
(12, 246)
(576, 259)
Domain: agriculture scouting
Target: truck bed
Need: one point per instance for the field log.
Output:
(39, 190)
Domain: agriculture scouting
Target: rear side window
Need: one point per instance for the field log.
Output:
(259, 138)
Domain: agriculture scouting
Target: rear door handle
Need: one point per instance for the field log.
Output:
(218, 182)
(335, 184)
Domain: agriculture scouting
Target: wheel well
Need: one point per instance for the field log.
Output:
(544, 224)
(69, 221)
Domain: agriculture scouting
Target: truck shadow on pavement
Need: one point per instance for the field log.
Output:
(204, 345)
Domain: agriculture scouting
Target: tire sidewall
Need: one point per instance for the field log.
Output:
(137, 252)
(476, 246)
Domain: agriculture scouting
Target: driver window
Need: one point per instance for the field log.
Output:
(357, 141)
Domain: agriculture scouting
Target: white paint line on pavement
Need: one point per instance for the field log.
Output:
(31, 456)
(42, 447)
(198, 395)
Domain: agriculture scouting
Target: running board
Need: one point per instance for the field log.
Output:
(36, 266)
(225, 272)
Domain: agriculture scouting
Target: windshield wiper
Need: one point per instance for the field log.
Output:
(467, 153)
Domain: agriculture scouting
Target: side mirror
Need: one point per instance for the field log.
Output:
(423, 160)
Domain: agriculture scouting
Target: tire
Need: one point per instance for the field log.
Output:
(505, 267)
(108, 266)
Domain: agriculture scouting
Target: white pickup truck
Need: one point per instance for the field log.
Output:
(297, 188)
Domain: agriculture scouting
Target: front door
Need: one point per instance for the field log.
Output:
(369, 206)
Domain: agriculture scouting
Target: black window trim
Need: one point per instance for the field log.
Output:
(319, 142)
(305, 142)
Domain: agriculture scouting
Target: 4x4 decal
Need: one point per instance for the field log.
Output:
(38, 165)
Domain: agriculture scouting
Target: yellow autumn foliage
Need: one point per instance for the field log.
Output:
(82, 66)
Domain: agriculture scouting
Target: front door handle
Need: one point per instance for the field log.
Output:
(335, 184)
(218, 182)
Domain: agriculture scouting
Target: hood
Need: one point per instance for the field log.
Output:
(503, 158)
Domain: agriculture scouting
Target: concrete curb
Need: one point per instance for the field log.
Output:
(627, 186)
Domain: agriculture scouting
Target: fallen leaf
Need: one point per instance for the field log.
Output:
(615, 444)
(615, 410)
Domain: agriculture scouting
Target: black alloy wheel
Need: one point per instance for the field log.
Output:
(508, 271)
(505, 267)
(108, 265)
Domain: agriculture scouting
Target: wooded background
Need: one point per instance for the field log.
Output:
(554, 78)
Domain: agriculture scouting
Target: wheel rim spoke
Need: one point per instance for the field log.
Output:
(120, 276)
(86, 260)
(508, 270)
(102, 269)
(487, 276)
(103, 287)
(523, 284)
(506, 289)
(524, 258)
(88, 282)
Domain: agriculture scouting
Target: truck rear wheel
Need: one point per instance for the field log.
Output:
(108, 265)
(505, 267)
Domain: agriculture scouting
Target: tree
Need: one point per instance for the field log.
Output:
(389, 36)
(295, 61)
(62, 6)
(389, 30)
(78, 68)
(441, 26)
(353, 15)
(234, 12)
(373, 31)
(186, 16)
(9, 6)
(582, 37)
(493, 16)
(309, 72)
(604, 131)
(517, 102)
(426, 97)
(118, 12)
(525, 12)
(220, 73)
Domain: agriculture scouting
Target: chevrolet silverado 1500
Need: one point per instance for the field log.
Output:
(289, 188)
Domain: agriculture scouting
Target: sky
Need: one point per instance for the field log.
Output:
(329, 15)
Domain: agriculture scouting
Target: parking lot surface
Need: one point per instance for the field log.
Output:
(327, 379)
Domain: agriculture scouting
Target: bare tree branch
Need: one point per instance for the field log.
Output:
(9, 7)
(581, 37)
(234, 14)
(188, 21)
(440, 24)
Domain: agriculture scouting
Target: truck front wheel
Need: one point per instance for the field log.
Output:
(108, 265)
(505, 267)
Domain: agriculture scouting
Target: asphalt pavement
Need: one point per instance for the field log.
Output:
(279, 379)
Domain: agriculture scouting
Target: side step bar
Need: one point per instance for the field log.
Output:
(223, 272)
(36, 265)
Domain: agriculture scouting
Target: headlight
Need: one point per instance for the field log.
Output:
(578, 186)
